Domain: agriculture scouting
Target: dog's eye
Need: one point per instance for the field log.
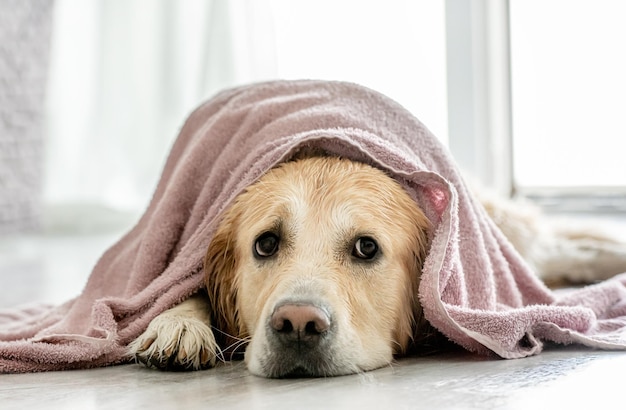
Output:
(365, 248)
(266, 245)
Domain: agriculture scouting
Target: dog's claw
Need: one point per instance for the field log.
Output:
(147, 344)
(204, 356)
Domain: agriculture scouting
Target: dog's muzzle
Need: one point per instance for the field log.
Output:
(299, 334)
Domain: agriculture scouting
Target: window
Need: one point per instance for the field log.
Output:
(568, 82)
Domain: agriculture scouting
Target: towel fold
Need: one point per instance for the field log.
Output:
(475, 288)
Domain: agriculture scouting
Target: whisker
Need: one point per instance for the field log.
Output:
(229, 335)
(238, 342)
(234, 346)
(219, 355)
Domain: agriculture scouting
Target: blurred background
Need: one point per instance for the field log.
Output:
(527, 94)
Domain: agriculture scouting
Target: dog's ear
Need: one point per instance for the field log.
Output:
(220, 266)
(425, 338)
(412, 321)
(423, 229)
(414, 328)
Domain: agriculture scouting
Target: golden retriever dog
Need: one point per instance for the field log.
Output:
(316, 267)
(315, 270)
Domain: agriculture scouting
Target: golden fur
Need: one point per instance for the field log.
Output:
(319, 211)
(313, 305)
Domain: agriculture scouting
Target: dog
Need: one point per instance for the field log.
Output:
(315, 269)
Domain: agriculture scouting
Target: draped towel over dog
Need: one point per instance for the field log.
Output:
(475, 288)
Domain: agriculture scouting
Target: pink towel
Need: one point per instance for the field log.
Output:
(475, 288)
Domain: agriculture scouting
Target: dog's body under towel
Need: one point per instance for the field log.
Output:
(475, 288)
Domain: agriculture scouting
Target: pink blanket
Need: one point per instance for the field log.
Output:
(475, 288)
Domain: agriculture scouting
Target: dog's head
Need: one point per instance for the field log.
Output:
(318, 263)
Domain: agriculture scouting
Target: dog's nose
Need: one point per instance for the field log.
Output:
(300, 323)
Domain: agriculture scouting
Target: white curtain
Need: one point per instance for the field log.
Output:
(24, 49)
(124, 75)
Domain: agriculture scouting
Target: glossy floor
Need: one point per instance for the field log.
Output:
(562, 378)
(55, 268)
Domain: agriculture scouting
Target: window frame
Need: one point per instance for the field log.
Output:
(480, 110)
(479, 90)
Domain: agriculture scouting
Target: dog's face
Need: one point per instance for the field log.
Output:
(318, 263)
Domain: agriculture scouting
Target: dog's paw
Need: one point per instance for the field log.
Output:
(176, 342)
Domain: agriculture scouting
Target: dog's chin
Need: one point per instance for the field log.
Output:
(266, 359)
(280, 365)
(294, 367)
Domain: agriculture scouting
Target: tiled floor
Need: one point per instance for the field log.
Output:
(54, 269)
